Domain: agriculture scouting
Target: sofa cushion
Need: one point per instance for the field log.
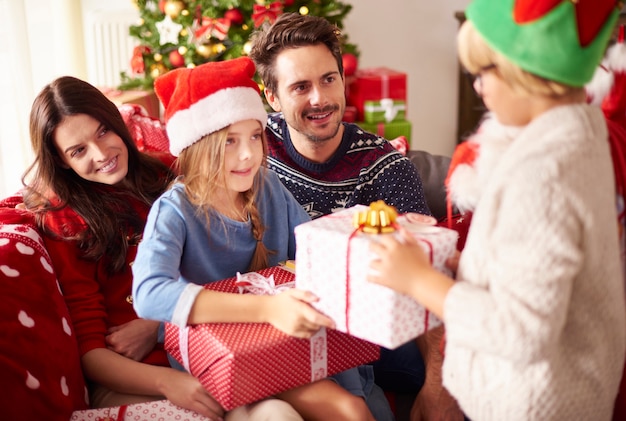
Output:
(432, 170)
(40, 366)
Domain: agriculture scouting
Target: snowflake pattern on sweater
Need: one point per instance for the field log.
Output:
(364, 169)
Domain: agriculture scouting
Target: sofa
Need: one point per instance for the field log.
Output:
(41, 373)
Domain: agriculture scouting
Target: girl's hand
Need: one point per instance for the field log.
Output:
(134, 339)
(186, 391)
(398, 261)
(292, 313)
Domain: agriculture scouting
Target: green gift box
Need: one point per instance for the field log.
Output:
(388, 130)
(384, 110)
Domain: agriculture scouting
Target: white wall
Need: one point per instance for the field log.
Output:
(419, 38)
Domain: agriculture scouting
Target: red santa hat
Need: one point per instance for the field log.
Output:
(201, 100)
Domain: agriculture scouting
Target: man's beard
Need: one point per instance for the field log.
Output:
(316, 138)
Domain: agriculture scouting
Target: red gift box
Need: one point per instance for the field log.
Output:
(240, 363)
(374, 84)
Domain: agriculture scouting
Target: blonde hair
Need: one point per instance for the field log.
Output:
(475, 54)
(202, 168)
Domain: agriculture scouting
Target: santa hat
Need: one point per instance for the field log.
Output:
(204, 99)
(560, 40)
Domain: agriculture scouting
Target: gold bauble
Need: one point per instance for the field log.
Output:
(157, 57)
(204, 50)
(247, 47)
(304, 11)
(218, 48)
(157, 70)
(172, 8)
(182, 50)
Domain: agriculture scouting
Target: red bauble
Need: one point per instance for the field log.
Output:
(350, 63)
(234, 16)
(288, 3)
(162, 5)
(176, 59)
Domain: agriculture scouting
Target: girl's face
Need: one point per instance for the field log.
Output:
(243, 155)
(509, 106)
(89, 148)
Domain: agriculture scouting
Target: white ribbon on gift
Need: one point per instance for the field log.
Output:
(258, 284)
(388, 107)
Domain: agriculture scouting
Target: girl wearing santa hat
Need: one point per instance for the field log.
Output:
(535, 319)
(226, 214)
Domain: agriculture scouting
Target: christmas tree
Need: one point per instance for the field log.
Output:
(177, 33)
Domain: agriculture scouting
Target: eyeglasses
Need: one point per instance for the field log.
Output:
(475, 79)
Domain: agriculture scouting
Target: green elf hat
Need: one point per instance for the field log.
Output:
(560, 40)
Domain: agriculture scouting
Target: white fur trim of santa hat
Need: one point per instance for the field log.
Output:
(201, 100)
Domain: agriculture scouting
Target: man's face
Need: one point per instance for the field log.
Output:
(310, 93)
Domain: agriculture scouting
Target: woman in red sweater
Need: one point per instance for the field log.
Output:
(90, 189)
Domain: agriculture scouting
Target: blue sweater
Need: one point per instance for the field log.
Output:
(179, 253)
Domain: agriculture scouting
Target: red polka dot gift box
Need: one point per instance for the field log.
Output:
(332, 261)
(241, 363)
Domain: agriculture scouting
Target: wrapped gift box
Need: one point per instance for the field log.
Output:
(147, 99)
(332, 261)
(388, 130)
(157, 410)
(240, 363)
(349, 115)
(384, 111)
(374, 84)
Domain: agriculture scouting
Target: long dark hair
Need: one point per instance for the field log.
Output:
(107, 211)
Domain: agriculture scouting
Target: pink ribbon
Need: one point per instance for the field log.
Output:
(257, 284)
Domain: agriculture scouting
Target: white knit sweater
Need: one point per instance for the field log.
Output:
(536, 325)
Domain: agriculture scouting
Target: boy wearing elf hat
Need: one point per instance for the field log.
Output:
(535, 319)
(228, 214)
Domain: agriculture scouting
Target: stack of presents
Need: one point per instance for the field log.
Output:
(376, 101)
(240, 363)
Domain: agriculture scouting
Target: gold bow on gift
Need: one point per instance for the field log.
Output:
(379, 218)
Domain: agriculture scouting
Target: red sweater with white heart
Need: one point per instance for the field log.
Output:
(96, 300)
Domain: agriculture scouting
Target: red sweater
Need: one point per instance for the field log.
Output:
(96, 301)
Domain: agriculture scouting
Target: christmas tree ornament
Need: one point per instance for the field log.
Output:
(204, 50)
(137, 64)
(234, 16)
(303, 10)
(168, 31)
(218, 48)
(350, 63)
(157, 69)
(176, 59)
(157, 57)
(173, 8)
(583, 27)
(247, 47)
(266, 13)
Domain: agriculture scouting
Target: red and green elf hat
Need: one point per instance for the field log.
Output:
(560, 40)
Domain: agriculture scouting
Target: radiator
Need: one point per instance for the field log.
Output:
(108, 46)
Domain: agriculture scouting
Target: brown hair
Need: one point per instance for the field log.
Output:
(105, 209)
(202, 168)
(475, 54)
(292, 30)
